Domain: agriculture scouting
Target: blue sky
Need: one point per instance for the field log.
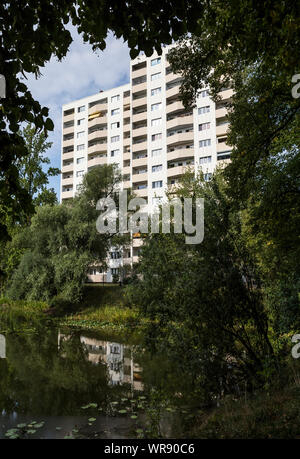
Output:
(80, 74)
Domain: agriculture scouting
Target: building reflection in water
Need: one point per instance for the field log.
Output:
(118, 357)
(2, 347)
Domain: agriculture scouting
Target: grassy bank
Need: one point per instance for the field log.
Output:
(266, 415)
(102, 307)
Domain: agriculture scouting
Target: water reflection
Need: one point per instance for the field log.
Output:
(118, 357)
(2, 347)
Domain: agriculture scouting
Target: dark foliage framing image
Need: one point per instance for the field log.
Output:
(132, 334)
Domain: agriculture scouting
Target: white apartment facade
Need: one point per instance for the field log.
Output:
(144, 128)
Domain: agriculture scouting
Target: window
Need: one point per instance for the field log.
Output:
(80, 122)
(156, 107)
(115, 255)
(116, 111)
(204, 126)
(155, 91)
(79, 173)
(207, 176)
(114, 153)
(115, 98)
(115, 138)
(156, 152)
(204, 93)
(81, 109)
(80, 160)
(157, 184)
(156, 136)
(156, 122)
(224, 155)
(205, 143)
(80, 147)
(115, 125)
(80, 134)
(155, 76)
(155, 61)
(115, 271)
(203, 110)
(205, 159)
(157, 168)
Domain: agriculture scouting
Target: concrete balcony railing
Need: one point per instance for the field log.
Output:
(139, 73)
(139, 117)
(67, 168)
(142, 131)
(142, 193)
(139, 162)
(221, 112)
(126, 100)
(174, 91)
(67, 181)
(172, 76)
(178, 170)
(180, 121)
(126, 156)
(66, 194)
(126, 127)
(179, 138)
(181, 153)
(99, 120)
(139, 87)
(68, 143)
(135, 259)
(175, 106)
(98, 108)
(98, 147)
(139, 146)
(97, 161)
(223, 147)
(68, 130)
(142, 177)
(142, 101)
(98, 135)
(67, 118)
(126, 142)
(226, 94)
(222, 129)
(69, 155)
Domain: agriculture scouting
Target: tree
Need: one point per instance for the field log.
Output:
(62, 242)
(31, 32)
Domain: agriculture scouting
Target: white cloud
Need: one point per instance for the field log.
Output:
(81, 73)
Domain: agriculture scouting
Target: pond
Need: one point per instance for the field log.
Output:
(66, 383)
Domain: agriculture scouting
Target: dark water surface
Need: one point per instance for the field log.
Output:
(57, 383)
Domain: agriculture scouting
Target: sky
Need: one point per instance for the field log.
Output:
(81, 73)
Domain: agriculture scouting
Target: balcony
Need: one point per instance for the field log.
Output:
(68, 143)
(178, 170)
(126, 100)
(180, 153)
(69, 155)
(180, 138)
(137, 242)
(172, 76)
(141, 131)
(175, 106)
(227, 94)
(97, 161)
(67, 118)
(139, 72)
(139, 162)
(222, 147)
(221, 112)
(222, 129)
(172, 92)
(126, 141)
(126, 184)
(97, 148)
(142, 193)
(126, 156)
(67, 168)
(139, 87)
(139, 117)
(68, 130)
(67, 181)
(181, 120)
(139, 177)
(98, 108)
(141, 102)
(66, 194)
(100, 134)
(139, 146)
(98, 120)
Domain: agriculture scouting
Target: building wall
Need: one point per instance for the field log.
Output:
(158, 138)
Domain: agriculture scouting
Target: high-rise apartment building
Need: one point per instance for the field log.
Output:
(144, 128)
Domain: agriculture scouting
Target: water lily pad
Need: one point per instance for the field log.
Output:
(139, 431)
(92, 419)
(122, 411)
(21, 426)
(133, 416)
(31, 431)
(58, 428)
